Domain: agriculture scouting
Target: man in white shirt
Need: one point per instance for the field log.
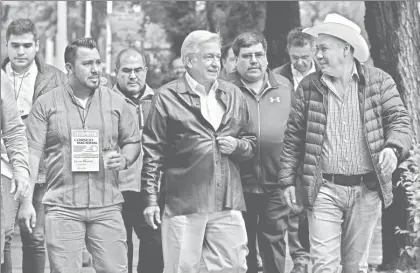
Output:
(29, 79)
(197, 133)
(301, 49)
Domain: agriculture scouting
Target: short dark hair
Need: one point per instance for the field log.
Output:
(71, 49)
(125, 51)
(225, 50)
(296, 37)
(248, 39)
(20, 27)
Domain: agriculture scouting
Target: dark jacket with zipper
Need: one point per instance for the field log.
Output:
(286, 70)
(385, 124)
(130, 179)
(269, 112)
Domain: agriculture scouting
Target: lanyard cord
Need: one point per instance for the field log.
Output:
(84, 117)
(14, 85)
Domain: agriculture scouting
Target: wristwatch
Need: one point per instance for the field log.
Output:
(127, 162)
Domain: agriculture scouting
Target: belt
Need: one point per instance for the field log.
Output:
(349, 180)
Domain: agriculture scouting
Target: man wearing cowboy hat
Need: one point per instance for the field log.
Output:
(346, 133)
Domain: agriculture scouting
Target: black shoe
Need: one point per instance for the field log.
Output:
(300, 269)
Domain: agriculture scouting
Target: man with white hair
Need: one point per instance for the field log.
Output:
(197, 132)
(347, 131)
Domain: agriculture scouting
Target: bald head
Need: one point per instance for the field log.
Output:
(131, 71)
(130, 52)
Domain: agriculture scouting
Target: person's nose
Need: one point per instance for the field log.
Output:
(318, 54)
(20, 50)
(95, 68)
(132, 75)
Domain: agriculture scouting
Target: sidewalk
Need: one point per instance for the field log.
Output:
(17, 257)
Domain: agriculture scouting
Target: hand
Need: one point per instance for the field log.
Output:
(116, 162)
(20, 186)
(290, 196)
(27, 216)
(227, 145)
(388, 161)
(151, 214)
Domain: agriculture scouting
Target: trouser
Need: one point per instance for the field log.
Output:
(101, 229)
(373, 255)
(268, 215)
(33, 244)
(204, 242)
(150, 249)
(341, 225)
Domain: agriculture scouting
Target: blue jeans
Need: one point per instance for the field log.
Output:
(341, 225)
(102, 229)
(33, 244)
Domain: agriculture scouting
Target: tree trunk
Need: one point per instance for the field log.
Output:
(282, 16)
(233, 18)
(393, 29)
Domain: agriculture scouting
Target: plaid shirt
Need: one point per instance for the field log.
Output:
(345, 150)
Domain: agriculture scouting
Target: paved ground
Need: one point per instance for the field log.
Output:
(17, 257)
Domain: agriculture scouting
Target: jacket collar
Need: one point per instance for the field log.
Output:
(148, 92)
(317, 81)
(235, 78)
(181, 86)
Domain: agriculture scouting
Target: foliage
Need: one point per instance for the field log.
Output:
(410, 180)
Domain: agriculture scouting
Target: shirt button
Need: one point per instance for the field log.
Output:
(218, 184)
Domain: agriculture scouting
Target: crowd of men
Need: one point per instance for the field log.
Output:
(210, 170)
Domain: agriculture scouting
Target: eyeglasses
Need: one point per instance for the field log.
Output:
(137, 70)
(256, 55)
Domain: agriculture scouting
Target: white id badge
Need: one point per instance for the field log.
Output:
(84, 150)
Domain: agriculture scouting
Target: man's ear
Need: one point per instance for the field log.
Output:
(189, 61)
(346, 49)
(69, 68)
(37, 45)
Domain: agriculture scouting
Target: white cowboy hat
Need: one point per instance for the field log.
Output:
(340, 27)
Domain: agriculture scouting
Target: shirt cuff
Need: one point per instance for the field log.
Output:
(152, 200)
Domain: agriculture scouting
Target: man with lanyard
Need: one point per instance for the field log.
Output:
(269, 98)
(131, 73)
(88, 134)
(29, 79)
(16, 145)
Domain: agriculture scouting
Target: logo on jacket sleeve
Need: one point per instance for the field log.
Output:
(274, 99)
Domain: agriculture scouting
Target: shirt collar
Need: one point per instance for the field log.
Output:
(33, 69)
(354, 75)
(296, 73)
(266, 82)
(197, 87)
